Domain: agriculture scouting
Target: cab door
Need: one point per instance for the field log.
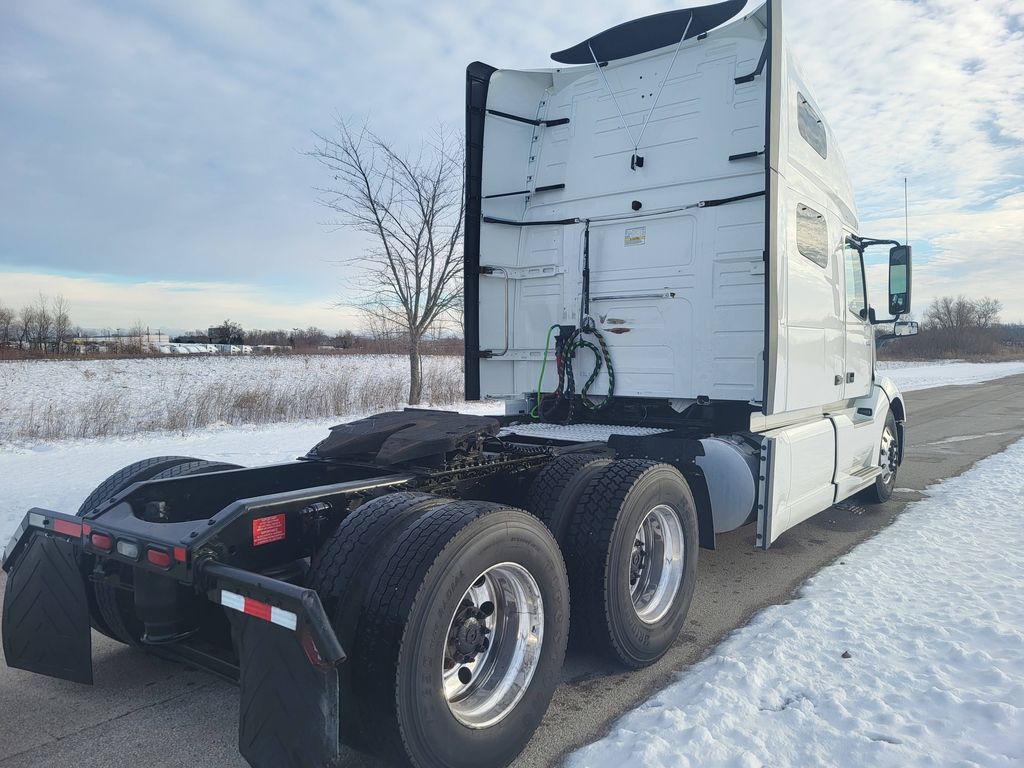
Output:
(859, 335)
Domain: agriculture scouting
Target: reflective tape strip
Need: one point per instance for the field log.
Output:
(260, 610)
(283, 618)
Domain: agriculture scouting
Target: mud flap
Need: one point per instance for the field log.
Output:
(46, 613)
(288, 712)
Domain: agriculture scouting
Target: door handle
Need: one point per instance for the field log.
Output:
(838, 380)
(850, 375)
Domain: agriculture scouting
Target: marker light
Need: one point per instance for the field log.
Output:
(158, 558)
(102, 542)
(128, 549)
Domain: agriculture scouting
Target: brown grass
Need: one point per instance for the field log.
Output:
(109, 414)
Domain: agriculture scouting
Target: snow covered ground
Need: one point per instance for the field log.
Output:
(59, 399)
(910, 375)
(931, 615)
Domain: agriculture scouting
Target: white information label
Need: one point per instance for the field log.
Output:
(635, 236)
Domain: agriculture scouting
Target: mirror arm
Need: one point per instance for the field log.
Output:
(860, 243)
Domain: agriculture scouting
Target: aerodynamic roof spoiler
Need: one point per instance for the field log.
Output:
(650, 33)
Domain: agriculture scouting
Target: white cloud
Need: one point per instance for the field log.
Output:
(163, 139)
(929, 91)
(174, 305)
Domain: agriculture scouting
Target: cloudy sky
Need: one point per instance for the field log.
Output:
(151, 151)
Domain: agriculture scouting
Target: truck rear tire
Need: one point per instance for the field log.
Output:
(632, 559)
(340, 572)
(889, 450)
(112, 609)
(558, 487)
(463, 636)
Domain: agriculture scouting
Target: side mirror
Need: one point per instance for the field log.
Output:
(899, 280)
(904, 328)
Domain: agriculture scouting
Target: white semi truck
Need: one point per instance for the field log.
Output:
(665, 292)
(675, 196)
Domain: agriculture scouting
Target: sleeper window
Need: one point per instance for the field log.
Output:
(812, 235)
(811, 127)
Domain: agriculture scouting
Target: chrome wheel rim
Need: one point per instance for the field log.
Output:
(493, 645)
(887, 455)
(656, 563)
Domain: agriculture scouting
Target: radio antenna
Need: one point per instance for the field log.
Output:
(906, 213)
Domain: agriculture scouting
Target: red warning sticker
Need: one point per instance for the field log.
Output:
(267, 529)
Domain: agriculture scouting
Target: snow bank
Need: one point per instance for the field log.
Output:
(910, 376)
(931, 613)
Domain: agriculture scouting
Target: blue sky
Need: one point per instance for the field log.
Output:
(152, 151)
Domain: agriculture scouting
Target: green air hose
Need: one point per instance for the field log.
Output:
(535, 411)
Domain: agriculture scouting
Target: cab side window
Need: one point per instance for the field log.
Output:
(856, 301)
(810, 125)
(812, 235)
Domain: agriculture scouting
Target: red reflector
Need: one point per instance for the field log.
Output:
(86, 529)
(158, 558)
(102, 541)
(257, 609)
(267, 529)
(68, 529)
(180, 554)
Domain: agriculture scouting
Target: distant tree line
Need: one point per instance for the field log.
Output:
(378, 337)
(958, 327)
(42, 326)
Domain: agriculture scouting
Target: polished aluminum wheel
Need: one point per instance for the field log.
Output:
(656, 563)
(888, 455)
(493, 645)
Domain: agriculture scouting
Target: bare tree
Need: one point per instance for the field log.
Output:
(412, 206)
(949, 313)
(61, 311)
(42, 322)
(987, 312)
(135, 334)
(24, 324)
(6, 328)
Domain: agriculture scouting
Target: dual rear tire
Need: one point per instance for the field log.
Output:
(628, 531)
(454, 615)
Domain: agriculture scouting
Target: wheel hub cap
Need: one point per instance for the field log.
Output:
(656, 563)
(493, 645)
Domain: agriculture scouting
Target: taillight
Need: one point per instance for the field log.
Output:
(159, 558)
(102, 542)
(68, 529)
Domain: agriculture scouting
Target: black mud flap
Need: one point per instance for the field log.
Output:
(288, 713)
(46, 613)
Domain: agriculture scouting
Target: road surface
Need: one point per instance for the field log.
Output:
(146, 710)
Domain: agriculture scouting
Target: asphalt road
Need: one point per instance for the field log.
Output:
(143, 710)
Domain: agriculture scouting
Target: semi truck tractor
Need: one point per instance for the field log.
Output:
(665, 300)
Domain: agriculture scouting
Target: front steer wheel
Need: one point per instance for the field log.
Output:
(462, 637)
(881, 490)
